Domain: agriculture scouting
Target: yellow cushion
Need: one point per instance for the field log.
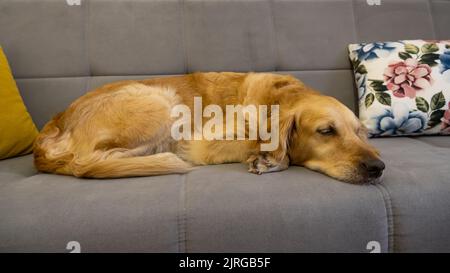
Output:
(17, 130)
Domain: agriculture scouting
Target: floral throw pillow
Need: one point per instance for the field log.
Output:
(403, 86)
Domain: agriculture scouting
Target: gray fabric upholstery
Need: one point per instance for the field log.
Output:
(231, 210)
(386, 22)
(44, 212)
(129, 38)
(62, 91)
(223, 208)
(215, 208)
(417, 183)
(147, 40)
(439, 141)
(45, 97)
(14, 169)
(58, 52)
(43, 38)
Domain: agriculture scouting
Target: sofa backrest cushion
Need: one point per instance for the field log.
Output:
(59, 51)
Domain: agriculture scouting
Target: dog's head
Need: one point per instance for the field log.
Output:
(322, 134)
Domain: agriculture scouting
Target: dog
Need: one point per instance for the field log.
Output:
(123, 129)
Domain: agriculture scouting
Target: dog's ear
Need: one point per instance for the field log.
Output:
(287, 128)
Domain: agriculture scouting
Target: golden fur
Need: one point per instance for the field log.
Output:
(123, 129)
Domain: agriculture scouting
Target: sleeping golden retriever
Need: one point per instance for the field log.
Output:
(123, 129)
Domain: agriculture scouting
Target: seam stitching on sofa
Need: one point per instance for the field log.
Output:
(183, 35)
(381, 189)
(355, 30)
(433, 146)
(87, 11)
(87, 84)
(389, 215)
(275, 36)
(433, 25)
(181, 217)
(247, 30)
(139, 75)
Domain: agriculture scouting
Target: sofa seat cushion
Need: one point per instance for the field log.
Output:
(223, 208)
(16, 168)
(43, 212)
(417, 187)
(298, 210)
(437, 141)
(214, 208)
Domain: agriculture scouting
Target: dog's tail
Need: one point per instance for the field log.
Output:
(157, 164)
(49, 149)
(52, 154)
(97, 166)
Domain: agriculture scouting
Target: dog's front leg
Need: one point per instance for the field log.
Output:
(266, 163)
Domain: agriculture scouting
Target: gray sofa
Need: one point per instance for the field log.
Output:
(57, 52)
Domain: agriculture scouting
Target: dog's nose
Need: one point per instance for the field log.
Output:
(374, 167)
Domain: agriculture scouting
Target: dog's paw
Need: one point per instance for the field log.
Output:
(265, 163)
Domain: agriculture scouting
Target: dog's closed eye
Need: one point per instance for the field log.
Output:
(327, 131)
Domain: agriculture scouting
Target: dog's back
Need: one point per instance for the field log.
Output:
(115, 131)
(123, 129)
